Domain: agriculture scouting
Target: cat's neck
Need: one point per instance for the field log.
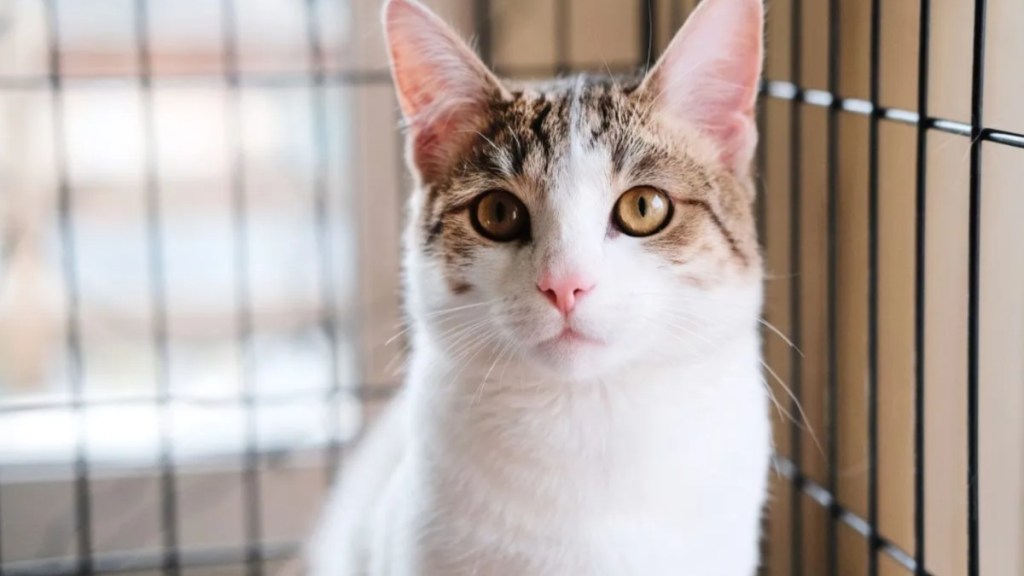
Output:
(498, 400)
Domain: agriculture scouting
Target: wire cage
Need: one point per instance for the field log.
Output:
(216, 453)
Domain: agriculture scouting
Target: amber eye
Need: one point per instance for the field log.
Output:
(642, 211)
(500, 216)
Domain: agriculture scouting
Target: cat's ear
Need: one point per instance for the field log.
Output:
(443, 87)
(708, 76)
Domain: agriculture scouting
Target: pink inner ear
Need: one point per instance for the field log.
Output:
(738, 140)
(709, 75)
(437, 142)
(414, 87)
(441, 83)
(428, 87)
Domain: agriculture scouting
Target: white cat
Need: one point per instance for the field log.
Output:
(583, 283)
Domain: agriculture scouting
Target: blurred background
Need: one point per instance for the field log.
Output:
(200, 204)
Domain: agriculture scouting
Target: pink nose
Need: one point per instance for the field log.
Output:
(563, 292)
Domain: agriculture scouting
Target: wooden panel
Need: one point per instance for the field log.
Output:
(525, 34)
(604, 31)
(896, 245)
(946, 355)
(855, 49)
(1002, 362)
(852, 310)
(949, 91)
(1004, 84)
(853, 553)
(778, 36)
(899, 42)
(813, 292)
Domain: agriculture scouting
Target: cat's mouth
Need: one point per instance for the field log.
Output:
(572, 337)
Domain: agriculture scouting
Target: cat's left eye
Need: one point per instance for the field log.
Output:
(500, 216)
(642, 211)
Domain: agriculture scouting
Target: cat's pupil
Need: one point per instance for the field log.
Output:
(641, 206)
(499, 212)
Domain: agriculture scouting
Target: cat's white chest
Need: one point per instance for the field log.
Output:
(603, 483)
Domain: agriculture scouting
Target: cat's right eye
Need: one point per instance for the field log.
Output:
(642, 211)
(500, 216)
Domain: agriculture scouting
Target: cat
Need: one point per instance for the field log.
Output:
(583, 284)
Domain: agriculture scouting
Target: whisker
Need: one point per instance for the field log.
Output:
(689, 331)
(779, 333)
(465, 337)
(689, 315)
(401, 333)
(803, 422)
(783, 413)
(492, 335)
(441, 316)
(460, 308)
(806, 424)
(401, 358)
(480, 388)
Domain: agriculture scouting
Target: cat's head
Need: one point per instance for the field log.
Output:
(585, 224)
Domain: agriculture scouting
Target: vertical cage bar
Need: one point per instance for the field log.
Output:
(795, 293)
(921, 250)
(250, 475)
(974, 290)
(761, 161)
(158, 293)
(322, 218)
(832, 275)
(484, 32)
(563, 37)
(648, 13)
(761, 220)
(69, 266)
(872, 379)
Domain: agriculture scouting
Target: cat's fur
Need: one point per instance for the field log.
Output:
(641, 450)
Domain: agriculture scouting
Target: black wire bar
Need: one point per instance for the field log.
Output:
(796, 535)
(158, 293)
(252, 515)
(974, 290)
(920, 248)
(873, 282)
(69, 267)
(832, 285)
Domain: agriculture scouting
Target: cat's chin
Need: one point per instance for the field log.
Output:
(571, 353)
